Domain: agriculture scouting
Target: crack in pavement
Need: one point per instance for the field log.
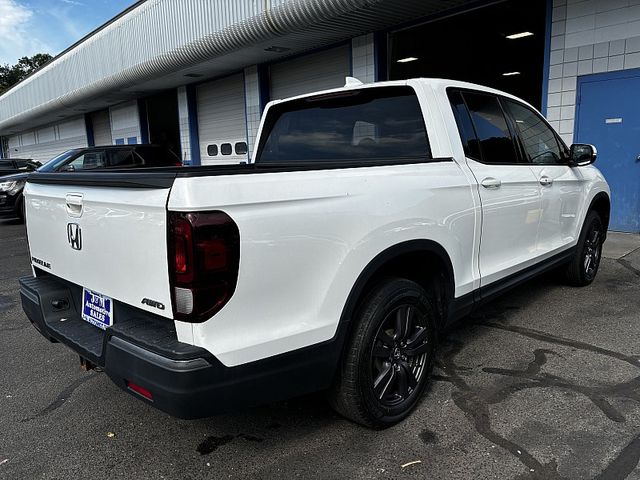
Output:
(62, 397)
(477, 412)
(475, 404)
(628, 265)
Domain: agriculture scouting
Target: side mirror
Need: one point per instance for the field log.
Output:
(582, 154)
(68, 168)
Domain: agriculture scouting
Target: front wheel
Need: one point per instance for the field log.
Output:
(583, 268)
(390, 356)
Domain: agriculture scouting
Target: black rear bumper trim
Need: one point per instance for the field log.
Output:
(185, 381)
(155, 359)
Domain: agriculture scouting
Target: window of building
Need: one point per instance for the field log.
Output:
(241, 148)
(226, 149)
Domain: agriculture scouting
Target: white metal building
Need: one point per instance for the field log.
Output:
(196, 74)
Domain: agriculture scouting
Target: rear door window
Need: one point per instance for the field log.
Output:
(384, 124)
(467, 133)
(496, 142)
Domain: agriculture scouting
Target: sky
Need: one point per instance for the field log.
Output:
(28, 27)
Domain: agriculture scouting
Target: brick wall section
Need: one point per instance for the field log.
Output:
(183, 121)
(252, 95)
(363, 58)
(588, 36)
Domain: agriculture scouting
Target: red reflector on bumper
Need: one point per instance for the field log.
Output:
(139, 390)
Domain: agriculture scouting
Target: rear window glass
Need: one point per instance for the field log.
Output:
(369, 124)
(153, 156)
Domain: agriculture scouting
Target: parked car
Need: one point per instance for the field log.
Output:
(370, 218)
(10, 166)
(90, 158)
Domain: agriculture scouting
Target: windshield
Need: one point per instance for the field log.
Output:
(53, 164)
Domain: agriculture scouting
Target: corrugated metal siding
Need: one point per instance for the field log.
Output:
(46, 143)
(101, 128)
(222, 118)
(319, 71)
(125, 123)
(161, 37)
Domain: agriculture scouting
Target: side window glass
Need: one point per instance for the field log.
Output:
(538, 139)
(465, 127)
(121, 158)
(87, 161)
(496, 143)
(212, 150)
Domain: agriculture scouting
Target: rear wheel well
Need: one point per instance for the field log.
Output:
(429, 268)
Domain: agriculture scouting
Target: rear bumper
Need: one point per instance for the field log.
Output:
(185, 381)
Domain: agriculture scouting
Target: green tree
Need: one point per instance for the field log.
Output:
(12, 74)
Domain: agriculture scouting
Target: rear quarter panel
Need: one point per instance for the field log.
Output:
(306, 237)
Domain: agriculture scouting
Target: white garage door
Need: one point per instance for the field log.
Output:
(47, 142)
(317, 71)
(222, 122)
(125, 124)
(101, 128)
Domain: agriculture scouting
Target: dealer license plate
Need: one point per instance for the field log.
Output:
(97, 309)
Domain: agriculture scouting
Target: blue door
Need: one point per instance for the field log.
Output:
(608, 116)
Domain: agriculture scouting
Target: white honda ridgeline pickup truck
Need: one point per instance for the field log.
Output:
(369, 219)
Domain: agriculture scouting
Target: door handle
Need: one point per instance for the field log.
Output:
(74, 204)
(546, 181)
(491, 183)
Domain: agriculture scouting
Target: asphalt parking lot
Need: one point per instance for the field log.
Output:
(543, 383)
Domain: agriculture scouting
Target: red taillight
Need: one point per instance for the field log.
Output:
(183, 249)
(214, 254)
(140, 390)
(205, 249)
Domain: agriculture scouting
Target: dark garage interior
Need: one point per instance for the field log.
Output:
(162, 118)
(474, 46)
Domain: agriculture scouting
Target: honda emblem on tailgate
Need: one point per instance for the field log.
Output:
(74, 236)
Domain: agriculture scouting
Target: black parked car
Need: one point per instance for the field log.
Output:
(79, 159)
(9, 166)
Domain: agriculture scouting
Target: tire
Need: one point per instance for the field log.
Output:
(582, 269)
(386, 366)
(20, 208)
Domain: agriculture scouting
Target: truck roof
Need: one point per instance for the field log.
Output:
(435, 83)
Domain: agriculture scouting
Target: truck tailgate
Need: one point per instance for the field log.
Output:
(111, 241)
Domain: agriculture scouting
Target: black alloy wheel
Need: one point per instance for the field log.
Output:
(389, 357)
(583, 268)
(399, 354)
(592, 251)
